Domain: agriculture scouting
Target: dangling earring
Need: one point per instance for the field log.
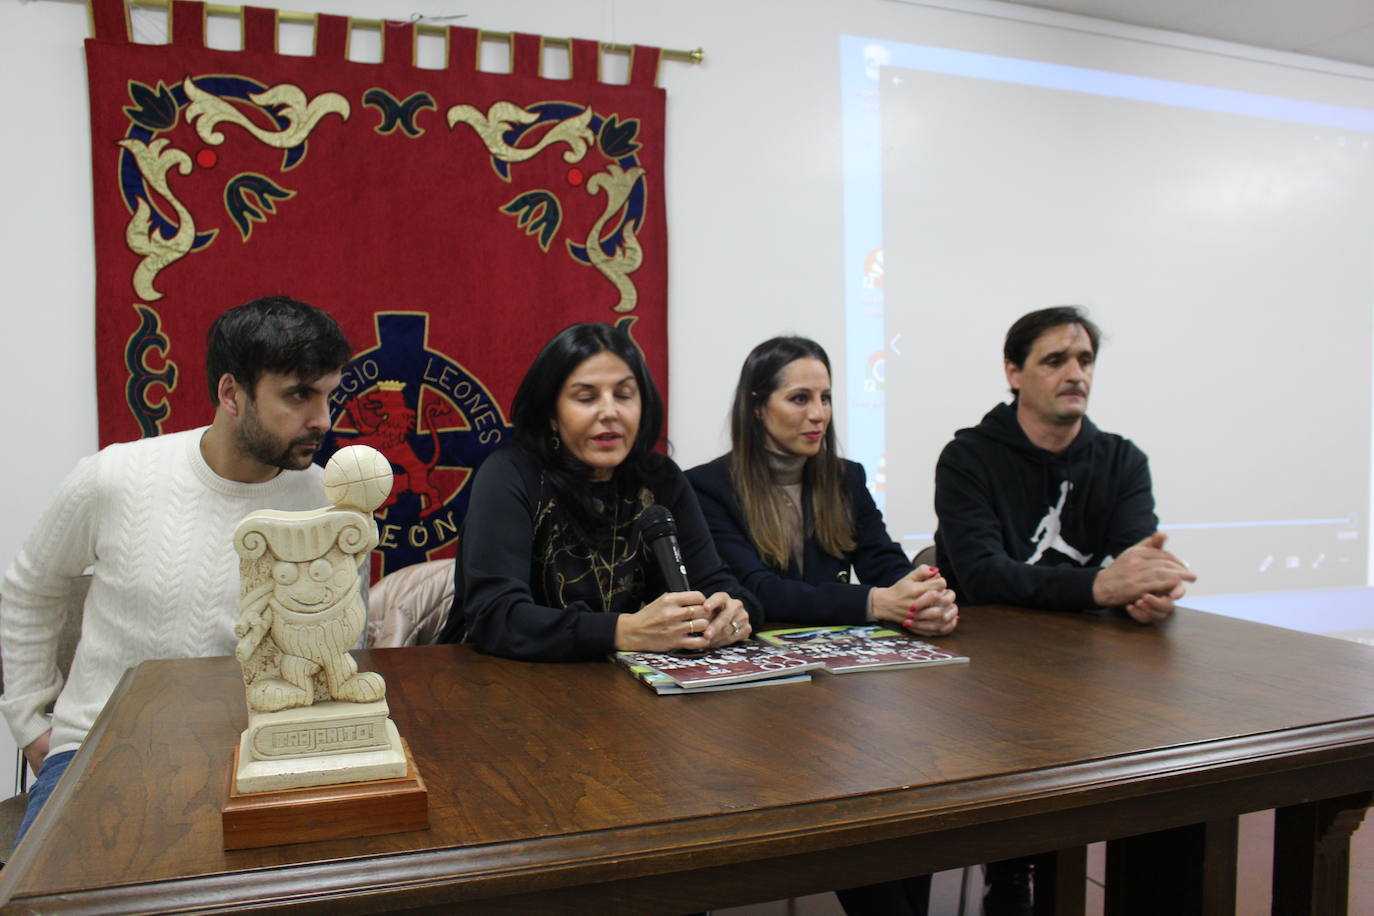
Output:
(555, 443)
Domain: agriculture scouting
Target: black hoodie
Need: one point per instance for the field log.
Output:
(999, 499)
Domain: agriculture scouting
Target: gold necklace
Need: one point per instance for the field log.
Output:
(609, 565)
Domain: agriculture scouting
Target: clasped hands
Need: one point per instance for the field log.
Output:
(919, 602)
(1145, 580)
(683, 620)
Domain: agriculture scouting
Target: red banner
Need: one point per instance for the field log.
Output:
(451, 220)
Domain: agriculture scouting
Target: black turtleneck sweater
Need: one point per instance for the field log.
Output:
(1025, 526)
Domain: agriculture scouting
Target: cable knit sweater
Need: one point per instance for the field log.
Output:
(155, 524)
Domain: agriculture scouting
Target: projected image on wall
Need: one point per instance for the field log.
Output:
(1223, 240)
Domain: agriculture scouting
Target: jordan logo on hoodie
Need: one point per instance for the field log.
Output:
(1048, 535)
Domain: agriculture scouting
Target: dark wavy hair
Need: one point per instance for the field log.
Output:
(749, 474)
(536, 403)
(272, 334)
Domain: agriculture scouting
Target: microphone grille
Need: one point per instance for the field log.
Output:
(656, 522)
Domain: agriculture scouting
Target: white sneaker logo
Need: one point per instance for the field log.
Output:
(1048, 535)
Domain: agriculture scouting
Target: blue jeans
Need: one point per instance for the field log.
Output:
(48, 775)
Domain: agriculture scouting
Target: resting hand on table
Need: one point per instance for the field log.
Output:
(1146, 580)
(728, 623)
(1154, 608)
(683, 620)
(918, 602)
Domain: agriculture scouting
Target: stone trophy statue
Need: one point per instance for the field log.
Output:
(313, 718)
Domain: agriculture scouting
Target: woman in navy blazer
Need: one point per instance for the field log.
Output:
(791, 518)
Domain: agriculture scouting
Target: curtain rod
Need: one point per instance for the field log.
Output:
(221, 9)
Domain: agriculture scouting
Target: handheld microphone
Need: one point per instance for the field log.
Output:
(658, 532)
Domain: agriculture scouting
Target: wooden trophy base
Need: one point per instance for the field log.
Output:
(324, 812)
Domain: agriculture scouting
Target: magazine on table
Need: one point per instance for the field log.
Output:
(663, 685)
(742, 664)
(867, 647)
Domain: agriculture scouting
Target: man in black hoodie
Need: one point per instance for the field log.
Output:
(1038, 507)
(1041, 509)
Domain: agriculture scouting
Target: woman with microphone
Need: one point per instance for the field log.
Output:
(551, 563)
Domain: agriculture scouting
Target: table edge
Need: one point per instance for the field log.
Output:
(732, 837)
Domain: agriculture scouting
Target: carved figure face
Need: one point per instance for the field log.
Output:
(313, 586)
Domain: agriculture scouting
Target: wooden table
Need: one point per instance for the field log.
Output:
(572, 788)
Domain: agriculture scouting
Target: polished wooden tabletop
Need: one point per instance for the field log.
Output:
(572, 788)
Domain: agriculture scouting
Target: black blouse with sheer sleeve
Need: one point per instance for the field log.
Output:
(529, 587)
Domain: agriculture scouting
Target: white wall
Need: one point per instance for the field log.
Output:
(47, 347)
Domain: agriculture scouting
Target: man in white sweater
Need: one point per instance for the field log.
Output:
(153, 520)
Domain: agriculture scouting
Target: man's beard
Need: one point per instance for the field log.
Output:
(263, 447)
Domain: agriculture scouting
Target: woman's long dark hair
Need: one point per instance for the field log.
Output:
(536, 403)
(749, 473)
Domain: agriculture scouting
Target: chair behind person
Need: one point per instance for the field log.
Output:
(12, 809)
(410, 606)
